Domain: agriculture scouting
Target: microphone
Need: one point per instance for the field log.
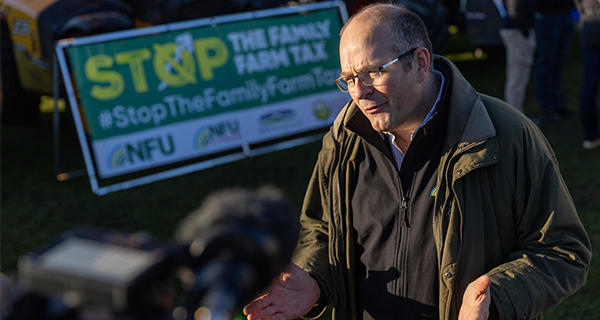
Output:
(239, 241)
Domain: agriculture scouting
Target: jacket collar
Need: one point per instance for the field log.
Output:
(468, 119)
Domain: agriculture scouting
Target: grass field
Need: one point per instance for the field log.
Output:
(36, 208)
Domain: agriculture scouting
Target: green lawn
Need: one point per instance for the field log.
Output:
(35, 207)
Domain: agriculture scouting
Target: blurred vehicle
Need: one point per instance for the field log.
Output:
(30, 29)
(479, 20)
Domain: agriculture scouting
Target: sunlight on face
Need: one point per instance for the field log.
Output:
(392, 104)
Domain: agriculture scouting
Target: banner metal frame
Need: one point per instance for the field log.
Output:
(61, 67)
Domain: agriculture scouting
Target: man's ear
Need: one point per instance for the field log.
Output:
(423, 61)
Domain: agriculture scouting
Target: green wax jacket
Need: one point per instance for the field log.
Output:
(511, 214)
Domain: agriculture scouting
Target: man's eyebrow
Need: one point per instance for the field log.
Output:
(346, 75)
(362, 69)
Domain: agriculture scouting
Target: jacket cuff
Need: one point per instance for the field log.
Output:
(321, 304)
(509, 299)
(494, 313)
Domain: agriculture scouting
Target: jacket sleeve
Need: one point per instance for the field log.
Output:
(312, 251)
(554, 251)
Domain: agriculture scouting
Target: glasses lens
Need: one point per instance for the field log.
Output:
(342, 84)
(369, 78)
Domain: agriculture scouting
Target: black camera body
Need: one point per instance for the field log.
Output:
(88, 271)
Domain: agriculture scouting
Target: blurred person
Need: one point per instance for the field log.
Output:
(589, 11)
(518, 38)
(553, 31)
(428, 200)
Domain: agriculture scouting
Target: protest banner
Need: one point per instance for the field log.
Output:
(155, 97)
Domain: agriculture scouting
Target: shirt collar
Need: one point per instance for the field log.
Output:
(442, 79)
(396, 152)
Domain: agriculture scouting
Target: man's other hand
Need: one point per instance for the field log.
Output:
(290, 296)
(476, 300)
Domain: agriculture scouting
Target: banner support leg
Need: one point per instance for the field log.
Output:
(60, 176)
(56, 118)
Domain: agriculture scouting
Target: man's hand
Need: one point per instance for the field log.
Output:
(290, 296)
(476, 300)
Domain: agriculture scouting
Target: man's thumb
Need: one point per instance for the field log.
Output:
(482, 283)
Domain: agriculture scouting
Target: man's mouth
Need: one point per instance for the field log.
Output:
(373, 109)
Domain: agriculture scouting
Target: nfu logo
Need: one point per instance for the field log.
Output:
(320, 109)
(220, 133)
(140, 151)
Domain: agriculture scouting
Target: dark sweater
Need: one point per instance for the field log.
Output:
(554, 6)
(393, 219)
(523, 18)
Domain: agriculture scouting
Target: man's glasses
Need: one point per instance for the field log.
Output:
(368, 77)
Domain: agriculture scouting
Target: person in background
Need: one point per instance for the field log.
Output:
(518, 38)
(428, 200)
(589, 11)
(553, 31)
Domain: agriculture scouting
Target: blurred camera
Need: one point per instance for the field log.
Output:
(223, 254)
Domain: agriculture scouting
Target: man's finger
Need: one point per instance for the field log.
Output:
(267, 312)
(257, 304)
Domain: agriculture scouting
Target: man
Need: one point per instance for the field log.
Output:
(428, 200)
(518, 38)
(589, 39)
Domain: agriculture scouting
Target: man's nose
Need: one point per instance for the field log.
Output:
(361, 90)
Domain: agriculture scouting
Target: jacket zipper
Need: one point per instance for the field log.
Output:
(404, 204)
(403, 253)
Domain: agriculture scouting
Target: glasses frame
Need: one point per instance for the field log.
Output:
(346, 87)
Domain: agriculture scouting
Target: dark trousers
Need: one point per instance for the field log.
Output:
(553, 34)
(589, 90)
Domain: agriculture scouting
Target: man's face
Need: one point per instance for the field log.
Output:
(393, 103)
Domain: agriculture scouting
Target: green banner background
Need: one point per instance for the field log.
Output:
(130, 111)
